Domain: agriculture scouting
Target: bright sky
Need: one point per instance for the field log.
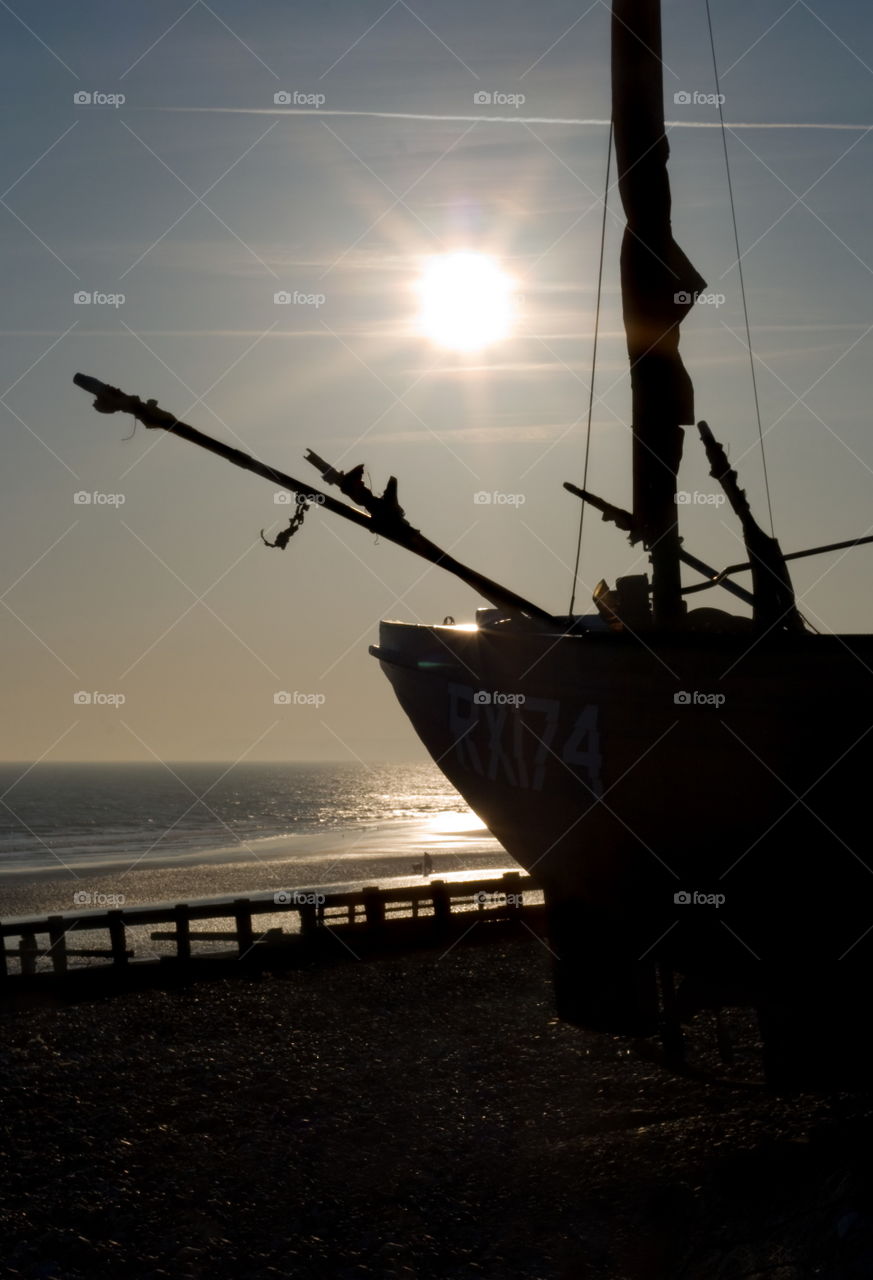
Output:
(199, 198)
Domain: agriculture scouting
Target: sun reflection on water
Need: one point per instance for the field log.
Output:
(444, 824)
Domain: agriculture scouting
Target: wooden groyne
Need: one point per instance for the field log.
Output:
(40, 952)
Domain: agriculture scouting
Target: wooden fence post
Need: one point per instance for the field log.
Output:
(117, 937)
(308, 919)
(57, 943)
(27, 953)
(442, 905)
(512, 883)
(182, 917)
(242, 911)
(374, 906)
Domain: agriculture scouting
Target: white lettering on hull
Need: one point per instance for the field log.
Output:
(519, 744)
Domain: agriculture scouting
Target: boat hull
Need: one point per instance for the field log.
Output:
(704, 796)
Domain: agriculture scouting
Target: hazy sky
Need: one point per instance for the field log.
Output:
(198, 199)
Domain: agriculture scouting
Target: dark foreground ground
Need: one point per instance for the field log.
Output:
(424, 1117)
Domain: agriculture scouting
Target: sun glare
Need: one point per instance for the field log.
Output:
(466, 301)
(455, 823)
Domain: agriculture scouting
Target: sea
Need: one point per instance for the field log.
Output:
(157, 831)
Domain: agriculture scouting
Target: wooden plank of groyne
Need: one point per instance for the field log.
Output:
(197, 935)
(378, 906)
(94, 953)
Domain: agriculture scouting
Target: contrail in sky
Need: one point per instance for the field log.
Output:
(514, 119)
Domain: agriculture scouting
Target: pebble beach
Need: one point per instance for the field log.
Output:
(425, 1117)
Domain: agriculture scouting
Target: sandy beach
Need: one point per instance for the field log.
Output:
(425, 1117)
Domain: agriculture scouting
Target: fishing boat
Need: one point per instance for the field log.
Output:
(687, 783)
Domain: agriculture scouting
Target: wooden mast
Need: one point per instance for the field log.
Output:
(659, 286)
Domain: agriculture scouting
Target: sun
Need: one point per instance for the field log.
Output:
(467, 302)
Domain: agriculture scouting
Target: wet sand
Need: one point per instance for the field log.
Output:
(426, 1117)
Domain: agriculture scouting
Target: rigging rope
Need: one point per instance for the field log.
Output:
(593, 368)
(730, 187)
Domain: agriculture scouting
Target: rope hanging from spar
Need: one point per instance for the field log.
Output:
(284, 537)
(730, 186)
(593, 368)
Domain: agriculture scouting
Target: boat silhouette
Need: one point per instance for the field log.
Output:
(688, 784)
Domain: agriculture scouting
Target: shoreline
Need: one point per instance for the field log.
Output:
(443, 829)
(383, 852)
